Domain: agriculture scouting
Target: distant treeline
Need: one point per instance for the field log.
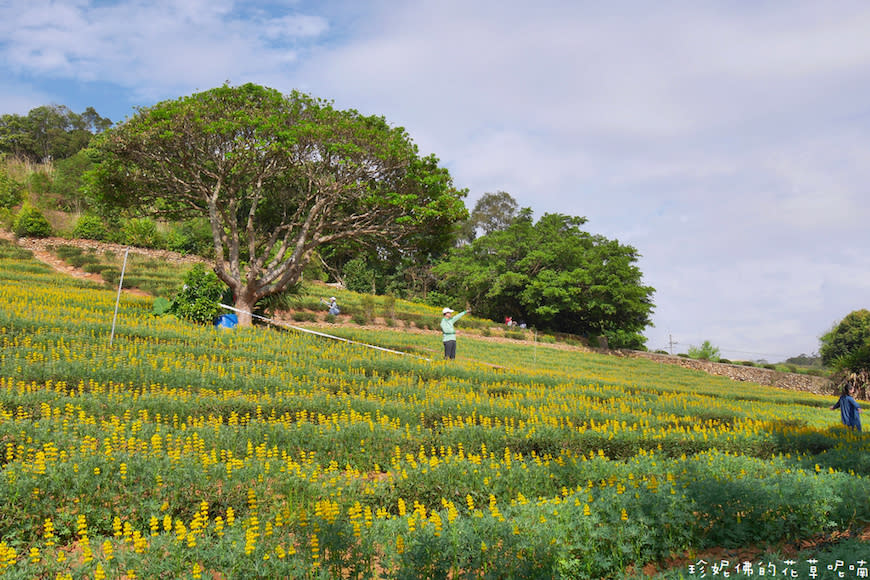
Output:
(50, 132)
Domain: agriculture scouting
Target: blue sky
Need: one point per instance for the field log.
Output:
(727, 141)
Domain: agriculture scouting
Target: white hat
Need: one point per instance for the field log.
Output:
(446, 310)
(332, 299)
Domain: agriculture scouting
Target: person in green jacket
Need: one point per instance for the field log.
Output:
(449, 332)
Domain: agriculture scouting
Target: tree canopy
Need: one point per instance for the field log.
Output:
(554, 275)
(847, 344)
(49, 132)
(492, 212)
(277, 175)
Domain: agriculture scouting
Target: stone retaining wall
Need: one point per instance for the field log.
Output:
(762, 376)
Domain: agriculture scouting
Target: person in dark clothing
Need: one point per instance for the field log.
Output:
(850, 411)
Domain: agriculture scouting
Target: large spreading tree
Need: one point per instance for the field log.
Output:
(277, 175)
(554, 275)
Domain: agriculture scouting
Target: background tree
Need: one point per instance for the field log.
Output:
(492, 212)
(846, 349)
(553, 275)
(49, 132)
(278, 176)
(849, 335)
(704, 352)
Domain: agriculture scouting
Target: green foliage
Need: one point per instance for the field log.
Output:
(553, 275)
(842, 346)
(141, 232)
(31, 223)
(91, 227)
(11, 192)
(358, 277)
(493, 212)
(704, 352)
(193, 236)
(68, 181)
(161, 306)
(199, 298)
(49, 132)
(39, 182)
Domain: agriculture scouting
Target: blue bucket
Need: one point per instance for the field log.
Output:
(227, 321)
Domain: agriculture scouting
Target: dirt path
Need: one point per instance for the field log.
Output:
(43, 250)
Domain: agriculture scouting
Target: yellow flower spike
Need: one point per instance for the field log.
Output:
(48, 532)
(108, 553)
(99, 573)
(624, 516)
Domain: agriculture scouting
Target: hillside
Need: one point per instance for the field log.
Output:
(181, 450)
(45, 250)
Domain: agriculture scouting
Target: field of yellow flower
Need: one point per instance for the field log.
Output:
(179, 451)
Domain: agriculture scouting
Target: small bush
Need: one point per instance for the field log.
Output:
(368, 305)
(330, 318)
(39, 182)
(747, 363)
(141, 232)
(389, 305)
(30, 223)
(304, 316)
(360, 318)
(91, 227)
(200, 296)
(191, 237)
(725, 361)
(95, 268)
(11, 192)
(358, 277)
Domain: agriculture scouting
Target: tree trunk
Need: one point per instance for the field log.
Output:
(245, 306)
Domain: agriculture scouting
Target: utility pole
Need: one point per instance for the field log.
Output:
(671, 343)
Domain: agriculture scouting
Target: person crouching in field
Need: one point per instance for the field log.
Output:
(447, 323)
(850, 411)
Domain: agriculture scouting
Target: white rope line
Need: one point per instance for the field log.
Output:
(323, 334)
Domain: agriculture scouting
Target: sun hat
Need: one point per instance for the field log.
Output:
(446, 310)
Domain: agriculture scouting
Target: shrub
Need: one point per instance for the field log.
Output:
(304, 316)
(11, 192)
(191, 237)
(199, 298)
(704, 352)
(389, 305)
(368, 305)
(358, 277)
(39, 182)
(91, 227)
(330, 318)
(30, 223)
(360, 318)
(141, 232)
